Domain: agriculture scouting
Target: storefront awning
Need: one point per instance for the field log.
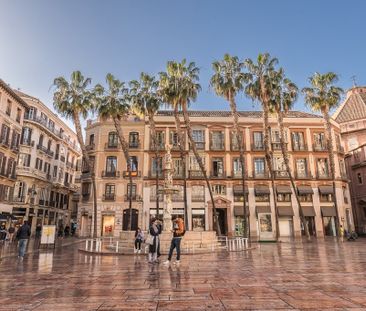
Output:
(263, 209)
(308, 211)
(328, 211)
(239, 211)
(238, 190)
(285, 211)
(283, 189)
(261, 190)
(326, 189)
(305, 190)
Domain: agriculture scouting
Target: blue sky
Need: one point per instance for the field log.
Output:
(43, 39)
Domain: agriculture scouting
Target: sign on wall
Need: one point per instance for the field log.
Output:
(48, 234)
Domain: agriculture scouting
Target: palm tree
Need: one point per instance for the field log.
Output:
(146, 102)
(74, 100)
(113, 104)
(286, 93)
(322, 96)
(227, 81)
(179, 87)
(260, 87)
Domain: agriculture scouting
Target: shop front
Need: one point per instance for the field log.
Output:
(198, 219)
(329, 220)
(264, 218)
(239, 219)
(108, 220)
(309, 215)
(285, 211)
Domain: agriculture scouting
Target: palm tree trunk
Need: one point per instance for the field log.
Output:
(156, 151)
(124, 145)
(267, 149)
(286, 161)
(85, 154)
(182, 156)
(329, 140)
(246, 221)
(200, 163)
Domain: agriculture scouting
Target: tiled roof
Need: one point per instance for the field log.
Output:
(354, 108)
(13, 93)
(227, 113)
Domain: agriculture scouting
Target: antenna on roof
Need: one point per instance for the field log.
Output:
(353, 78)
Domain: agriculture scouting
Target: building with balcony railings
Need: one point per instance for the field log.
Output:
(216, 143)
(108, 164)
(45, 191)
(351, 117)
(12, 109)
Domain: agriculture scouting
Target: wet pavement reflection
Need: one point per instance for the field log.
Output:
(309, 276)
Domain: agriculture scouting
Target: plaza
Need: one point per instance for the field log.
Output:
(323, 275)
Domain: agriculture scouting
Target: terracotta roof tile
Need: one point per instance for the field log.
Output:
(354, 108)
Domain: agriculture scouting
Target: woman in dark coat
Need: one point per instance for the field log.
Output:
(154, 231)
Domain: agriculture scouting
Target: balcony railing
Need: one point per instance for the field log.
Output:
(134, 145)
(45, 150)
(111, 174)
(135, 198)
(159, 145)
(217, 174)
(281, 174)
(152, 174)
(217, 146)
(110, 146)
(19, 199)
(198, 198)
(133, 174)
(45, 124)
(195, 174)
(302, 175)
(109, 197)
(199, 145)
(299, 147)
(261, 175)
(320, 147)
(257, 147)
(28, 143)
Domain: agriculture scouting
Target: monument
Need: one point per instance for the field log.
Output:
(168, 190)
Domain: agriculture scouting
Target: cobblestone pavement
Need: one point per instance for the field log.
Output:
(318, 276)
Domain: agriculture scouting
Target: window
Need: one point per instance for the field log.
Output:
(218, 189)
(261, 197)
(19, 115)
(322, 166)
(174, 138)
(39, 164)
(51, 125)
(283, 197)
(112, 139)
(234, 141)
(133, 192)
(359, 178)
(24, 159)
(259, 167)
(305, 197)
(85, 189)
(279, 164)
(217, 140)
(111, 165)
(133, 140)
(258, 141)
(345, 197)
(109, 193)
(160, 139)
(237, 172)
(153, 193)
(91, 140)
(199, 138)
(8, 108)
(32, 113)
(179, 195)
(217, 167)
(54, 171)
(177, 167)
(238, 194)
(298, 142)
(26, 136)
(319, 141)
(198, 193)
(301, 168)
(134, 165)
(193, 164)
(156, 166)
(44, 119)
(326, 197)
(5, 131)
(40, 142)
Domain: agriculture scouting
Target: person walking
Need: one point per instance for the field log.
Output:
(23, 235)
(178, 232)
(139, 238)
(38, 230)
(341, 233)
(11, 231)
(154, 231)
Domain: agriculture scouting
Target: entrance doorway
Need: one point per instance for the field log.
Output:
(286, 227)
(311, 224)
(329, 226)
(85, 226)
(222, 219)
(134, 222)
(108, 225)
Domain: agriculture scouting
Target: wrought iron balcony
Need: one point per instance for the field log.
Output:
(261, 175)
(217, 146)
(126, 174)
(302, 175)
(109, 197)
(320, 147)
(199, 145)
(258, 147)
(135, 198)
(193, 174)
(112, 146)
(134, 144)
(111, 174)
(217, 174)
(299, 147)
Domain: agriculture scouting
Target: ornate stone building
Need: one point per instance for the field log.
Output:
(351, 116)
(212, 131)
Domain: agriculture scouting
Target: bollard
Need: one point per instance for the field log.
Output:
(117, 247)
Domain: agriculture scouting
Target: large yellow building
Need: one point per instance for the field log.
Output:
(212, 131)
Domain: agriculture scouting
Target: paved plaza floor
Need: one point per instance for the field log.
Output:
(309, 276)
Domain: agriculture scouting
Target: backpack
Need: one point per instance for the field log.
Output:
(181, 229)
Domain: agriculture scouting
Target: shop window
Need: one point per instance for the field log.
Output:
(262, 197)
(283, 197)
(218, 189)
(306, 197)
(198, 193)
(326, 198)
(198, 220)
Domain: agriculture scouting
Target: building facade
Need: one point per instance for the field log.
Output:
(351, 117)
(12, 109)
(213, 134)
(48, 158)
(110, 168)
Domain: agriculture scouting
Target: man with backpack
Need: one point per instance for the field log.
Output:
(178, 233)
